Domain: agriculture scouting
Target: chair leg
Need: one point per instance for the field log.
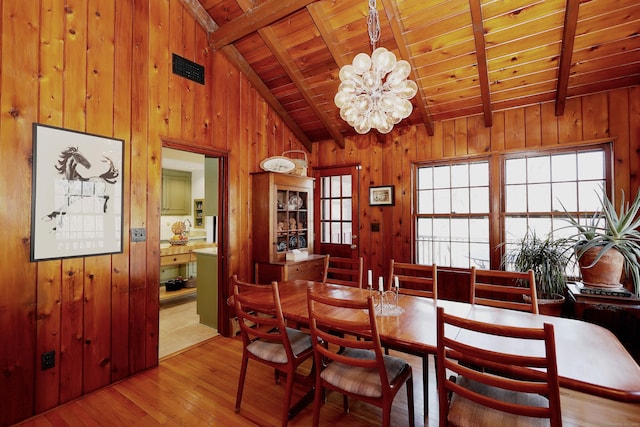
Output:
(425, 382)
(318, 400)
(345, 403)
(287, 398)
(409, 385)
(243, 374)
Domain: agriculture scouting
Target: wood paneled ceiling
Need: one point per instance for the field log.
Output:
(468, 57)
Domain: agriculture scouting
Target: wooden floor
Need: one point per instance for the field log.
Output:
(180, 325)
(197, 387)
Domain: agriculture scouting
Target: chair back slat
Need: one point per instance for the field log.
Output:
(344, 271)
(504, 289)
(414, 279)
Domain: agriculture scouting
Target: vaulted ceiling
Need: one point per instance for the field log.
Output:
(468, 57)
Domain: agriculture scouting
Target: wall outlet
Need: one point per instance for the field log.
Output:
(138, 234)
(48, 359)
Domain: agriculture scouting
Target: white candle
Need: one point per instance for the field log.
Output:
(395, 281)
(369, 278)
(380, 284)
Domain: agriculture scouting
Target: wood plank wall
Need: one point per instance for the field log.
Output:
(614, 114)
(104, 68)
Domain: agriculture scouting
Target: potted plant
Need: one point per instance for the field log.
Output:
(608, 244)
(548, 259)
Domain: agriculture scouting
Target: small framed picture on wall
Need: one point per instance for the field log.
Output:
(382, 195)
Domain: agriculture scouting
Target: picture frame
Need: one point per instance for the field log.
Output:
(381, 195)
(77, 194)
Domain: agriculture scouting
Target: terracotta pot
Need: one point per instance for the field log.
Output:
(549, 304)
(606, 273)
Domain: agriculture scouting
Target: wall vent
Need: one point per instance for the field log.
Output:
(188, 69)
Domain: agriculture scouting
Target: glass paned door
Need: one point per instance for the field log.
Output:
(338, 205)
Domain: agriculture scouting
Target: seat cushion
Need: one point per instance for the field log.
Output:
(274, 351)
(464, 412)
(359, 380)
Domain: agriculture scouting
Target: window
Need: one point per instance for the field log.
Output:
(336, 222)
(453, 209)
(452, 221)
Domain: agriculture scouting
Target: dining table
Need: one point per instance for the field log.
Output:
(590, 358)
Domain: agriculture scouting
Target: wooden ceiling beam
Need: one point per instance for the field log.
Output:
(481, 58)
(393, 15)
(566, 53)
(271, 40)
(254, 19)
(205, 20)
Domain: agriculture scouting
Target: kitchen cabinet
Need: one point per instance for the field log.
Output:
(198, 213)
(176, 192)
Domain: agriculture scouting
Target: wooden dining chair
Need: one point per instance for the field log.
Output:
(414, 279)
(481, 386)
(504, 289)
(355, 368)
(344, 271)
(267, 339)
(417, 280)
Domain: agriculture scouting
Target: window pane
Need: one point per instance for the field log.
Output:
(325, 211)
(335, 186)
(442, 202)
(591, 165)
(325, 184)
(335, 232)
(335, 209)
(425, 201)
(459, 229)
(325, 232)
(459, 176)
(563, 167)
(564, 194)
(516, 198)
(479, 174)
(425, 178)
(347, 234)
(539, 198)
(346, 186)
(460, 200)
(441, 177)
(588, 192)
(346, 209)
(515, 171)
(480, 200)
(538, 169)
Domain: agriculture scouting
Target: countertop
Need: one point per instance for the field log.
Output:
(210, 251)
(167, 249)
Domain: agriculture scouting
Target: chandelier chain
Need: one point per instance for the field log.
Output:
(373, 24)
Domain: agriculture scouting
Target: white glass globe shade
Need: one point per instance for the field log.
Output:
(361, 63)
(347, 73)
(383, 60)
(405, 108)
(342, 98)
(348, 86)
(362, 125)
(370, 80)
(402, 68)
(407, 89)
(388, 102)
(385, 127)
(363, 103)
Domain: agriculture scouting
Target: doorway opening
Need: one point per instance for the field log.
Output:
(190, 270)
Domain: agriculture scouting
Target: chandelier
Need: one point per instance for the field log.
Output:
(374, 92)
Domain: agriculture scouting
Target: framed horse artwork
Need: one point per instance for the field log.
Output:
(77, 201)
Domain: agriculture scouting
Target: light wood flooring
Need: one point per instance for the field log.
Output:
(180, 326)
(197, 387)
